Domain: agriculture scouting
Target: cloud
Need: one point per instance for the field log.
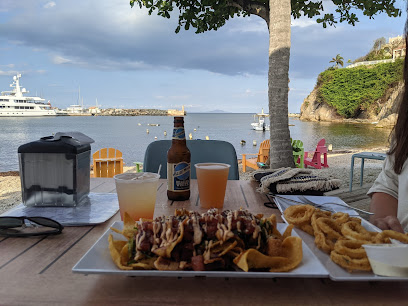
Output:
(304, 22)
(8, 72)
(8, 65)
(23, 72)
(249, 24)
(111, 36)
(172, 98)
(250, 93)
(50, 4)
(59, 60)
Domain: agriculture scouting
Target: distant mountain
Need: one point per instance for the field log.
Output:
(218, 111)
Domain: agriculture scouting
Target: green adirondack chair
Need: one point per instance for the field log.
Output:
(298, 153)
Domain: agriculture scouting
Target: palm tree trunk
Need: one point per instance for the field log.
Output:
(278, 76)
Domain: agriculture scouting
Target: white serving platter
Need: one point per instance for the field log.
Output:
(336, 273)
(97, 260)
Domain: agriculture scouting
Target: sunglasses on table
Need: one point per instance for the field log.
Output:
(28, 226)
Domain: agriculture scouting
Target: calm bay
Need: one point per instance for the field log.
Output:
(130, 135)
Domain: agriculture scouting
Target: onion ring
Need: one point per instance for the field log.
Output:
(384, 236)
(330, 228)
(349, 263)
(322, 243)
(351, 248)
(340, 218)
(355, 231)
(298, 214)
(307, 228)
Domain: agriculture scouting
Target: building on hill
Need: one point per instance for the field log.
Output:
(176, 112)
(94, 110)
(395, 47)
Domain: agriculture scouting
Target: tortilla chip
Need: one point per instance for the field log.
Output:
(116, 230)
(253, 259)
(292, 248)
(226, 247)
(288, 231)
(292, 256)
(274, 223)
(165, 264)
(144, 264)
(129, 226)
(165, 251)
(115, 249)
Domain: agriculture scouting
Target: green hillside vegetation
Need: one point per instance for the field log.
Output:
(352, 90)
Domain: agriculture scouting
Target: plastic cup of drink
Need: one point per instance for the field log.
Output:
(137, 194)
(212, 181)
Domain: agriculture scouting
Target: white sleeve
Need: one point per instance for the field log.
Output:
(387, 180)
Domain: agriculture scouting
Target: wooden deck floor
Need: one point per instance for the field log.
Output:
(356, 198)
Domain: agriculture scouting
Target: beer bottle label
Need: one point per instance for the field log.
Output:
(178, 133)
(178, 176)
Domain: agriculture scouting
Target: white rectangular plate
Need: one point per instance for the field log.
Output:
(98, 261)
(336, 272)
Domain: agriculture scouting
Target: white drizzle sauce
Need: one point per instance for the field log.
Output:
(223, 233)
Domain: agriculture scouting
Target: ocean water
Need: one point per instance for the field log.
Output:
(129, 134)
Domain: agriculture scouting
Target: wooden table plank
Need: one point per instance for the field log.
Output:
(42, 274)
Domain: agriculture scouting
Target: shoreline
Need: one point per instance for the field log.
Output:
(339, 168)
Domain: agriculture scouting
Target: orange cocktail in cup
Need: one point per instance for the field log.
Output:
(137, 194)
(212, 181)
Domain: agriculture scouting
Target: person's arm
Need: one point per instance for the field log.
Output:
(385, 207)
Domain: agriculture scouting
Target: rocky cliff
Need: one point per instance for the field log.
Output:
(312, 110)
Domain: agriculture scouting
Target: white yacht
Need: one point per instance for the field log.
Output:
(13, 103)
(260, 125)
(75, 109)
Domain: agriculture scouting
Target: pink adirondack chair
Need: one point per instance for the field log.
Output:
(316, 160)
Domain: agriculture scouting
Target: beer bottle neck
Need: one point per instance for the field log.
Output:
(179, 133)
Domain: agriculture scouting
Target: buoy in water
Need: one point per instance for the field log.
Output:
(139, 124)
(195, 130)
(254, 143)
(243, 142)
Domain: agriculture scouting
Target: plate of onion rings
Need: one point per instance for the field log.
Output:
(337, 239)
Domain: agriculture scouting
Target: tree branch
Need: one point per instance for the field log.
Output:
(252, 7)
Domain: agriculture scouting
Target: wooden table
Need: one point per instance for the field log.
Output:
(38, 270)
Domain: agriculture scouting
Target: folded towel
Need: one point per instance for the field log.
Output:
(294, 181)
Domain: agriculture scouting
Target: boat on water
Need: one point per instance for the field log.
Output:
(260, 124)
(75, 109)
(14, 103)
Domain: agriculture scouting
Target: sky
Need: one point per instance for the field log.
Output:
(106, 51)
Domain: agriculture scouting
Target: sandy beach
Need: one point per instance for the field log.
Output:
(339, 167)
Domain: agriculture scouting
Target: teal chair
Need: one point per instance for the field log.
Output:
(202, 151)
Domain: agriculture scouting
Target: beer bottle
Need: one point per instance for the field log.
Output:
(178, 164)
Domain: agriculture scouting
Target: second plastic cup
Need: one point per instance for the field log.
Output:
(137, 194)
(212, 181)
